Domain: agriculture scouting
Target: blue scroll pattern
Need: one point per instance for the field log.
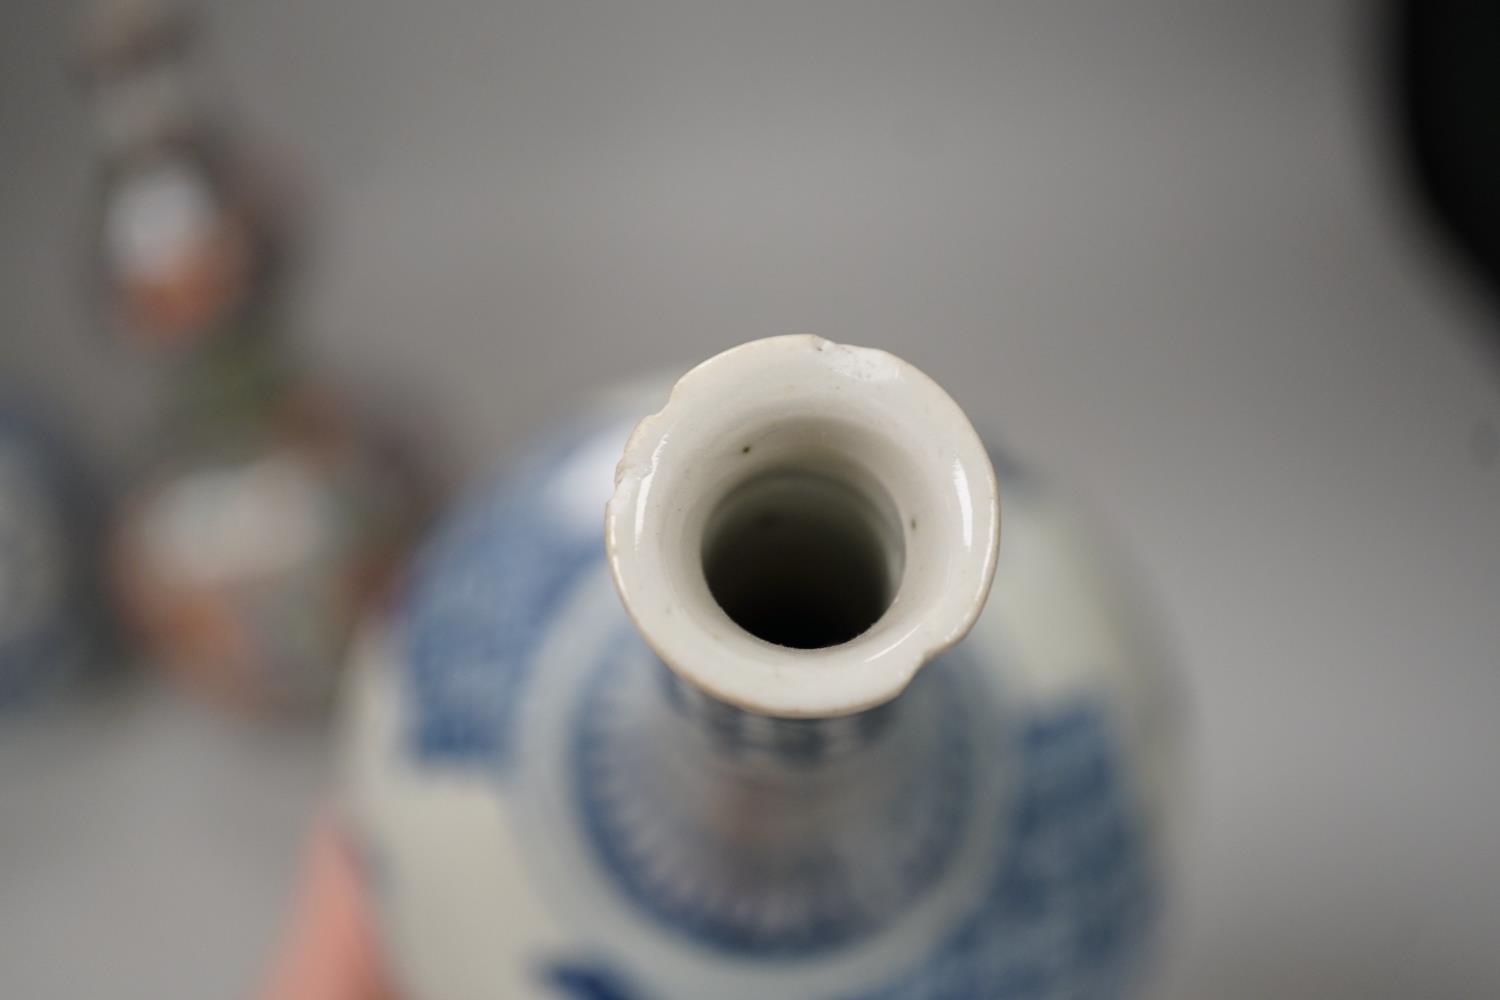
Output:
(480, 602)
(1069, 911)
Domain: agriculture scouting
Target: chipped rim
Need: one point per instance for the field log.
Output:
(805, 398)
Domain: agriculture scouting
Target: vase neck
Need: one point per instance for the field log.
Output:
(229, 384)
(761, 742)
(142, 68)
(772, 835)
(800, 529)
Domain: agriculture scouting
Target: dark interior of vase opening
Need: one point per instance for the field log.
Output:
(802, 558)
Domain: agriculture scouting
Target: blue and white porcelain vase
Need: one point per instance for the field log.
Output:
(780, 726)
(51, 622)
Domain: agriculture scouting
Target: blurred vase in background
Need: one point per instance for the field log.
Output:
(725, 741)
(268, 512)
(254, 541)
(189, 221)
(52, 626)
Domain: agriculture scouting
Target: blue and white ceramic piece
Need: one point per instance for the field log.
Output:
(783, 727)
(48, 587)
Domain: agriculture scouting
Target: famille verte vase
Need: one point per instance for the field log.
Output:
(268, 522)
(700, 723)
(190, 223)
(268, 514)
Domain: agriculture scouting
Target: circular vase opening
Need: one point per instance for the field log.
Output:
(803, 559)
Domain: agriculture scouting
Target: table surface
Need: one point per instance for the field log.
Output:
(1162, 247)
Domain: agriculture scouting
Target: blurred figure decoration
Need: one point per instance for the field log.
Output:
(269, 515)
(189, 228)
(51, 625)
(732, 746)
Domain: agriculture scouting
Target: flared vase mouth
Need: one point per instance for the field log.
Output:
(803, 526)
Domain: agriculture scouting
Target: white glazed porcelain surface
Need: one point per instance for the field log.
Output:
(802, 399)
(544, 811)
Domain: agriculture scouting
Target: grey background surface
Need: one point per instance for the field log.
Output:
(1157, 245)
